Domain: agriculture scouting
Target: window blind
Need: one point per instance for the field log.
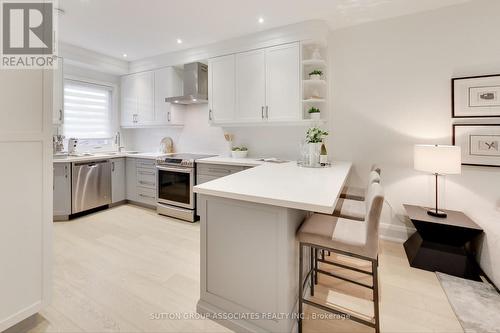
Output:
(87, 110)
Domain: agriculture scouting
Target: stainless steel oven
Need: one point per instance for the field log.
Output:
(176, 178)
(175, 186)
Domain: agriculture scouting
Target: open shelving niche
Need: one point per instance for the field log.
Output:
(314, 92)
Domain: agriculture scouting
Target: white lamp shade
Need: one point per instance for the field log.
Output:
(443, 160)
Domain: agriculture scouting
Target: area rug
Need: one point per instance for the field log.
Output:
(476, 304)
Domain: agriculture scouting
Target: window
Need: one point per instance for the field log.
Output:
(87, 110)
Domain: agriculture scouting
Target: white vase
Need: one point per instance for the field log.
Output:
(315, 77)
(314, 152)
(315, 115)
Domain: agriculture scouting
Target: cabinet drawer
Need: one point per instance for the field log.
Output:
(200, 179)
(146, 164)
(218, 170)
(146, 195)
(146, 178)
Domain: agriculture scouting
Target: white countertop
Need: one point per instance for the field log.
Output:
(284, 185)
(95, 157)
(251, 162)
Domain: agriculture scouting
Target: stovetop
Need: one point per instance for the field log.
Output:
(181, 159)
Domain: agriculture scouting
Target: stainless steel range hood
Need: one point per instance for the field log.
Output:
(195, 85)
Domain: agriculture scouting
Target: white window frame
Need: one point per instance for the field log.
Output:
(101, 144)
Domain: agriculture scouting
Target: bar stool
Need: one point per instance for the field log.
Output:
(358, 193)
(345, 237)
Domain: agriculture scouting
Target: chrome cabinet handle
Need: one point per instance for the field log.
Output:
(210, 115)
(146, 183)
(146, 196)
(60, 115)
(267, 112)
(219, 170)
(169, 118)
(135, 116)
(262, 112)
(66, 171)
(112, 166)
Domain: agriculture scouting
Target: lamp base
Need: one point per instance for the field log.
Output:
(437, 213)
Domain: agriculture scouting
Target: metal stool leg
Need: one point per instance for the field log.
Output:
(375, 295)
(311, 267)
(316, 266)
(301, 291)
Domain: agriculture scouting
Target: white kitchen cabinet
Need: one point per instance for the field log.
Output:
(283, 83)
(251, 85)
(62, 190)
(221, 88)
(58, 93)
(118, 191)
(137, 95)
(131, 179)
(141, 181)
(167, 83)
(26, 193)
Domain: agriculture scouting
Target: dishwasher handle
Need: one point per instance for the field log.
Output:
(92, 163)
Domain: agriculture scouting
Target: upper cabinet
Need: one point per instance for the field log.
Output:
(283, 83)
(168, 83)
(259, 86)
(143, 98)
(221, 88)
(58, 93)
(251, 85)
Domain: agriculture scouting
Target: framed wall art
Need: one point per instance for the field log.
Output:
(476, 96)
(480, 143)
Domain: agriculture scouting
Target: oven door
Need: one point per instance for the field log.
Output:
(175, 186)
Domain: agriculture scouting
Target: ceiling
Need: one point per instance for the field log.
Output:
(150, 27)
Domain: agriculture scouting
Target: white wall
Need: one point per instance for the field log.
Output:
(391, 90)
(199, 137)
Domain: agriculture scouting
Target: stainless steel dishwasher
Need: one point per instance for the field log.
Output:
(91, 185)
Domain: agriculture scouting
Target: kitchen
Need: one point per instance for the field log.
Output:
(249, 175)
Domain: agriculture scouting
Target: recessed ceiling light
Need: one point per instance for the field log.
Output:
(176, 101)
(179, 41)
(125, 55)
(194, 99)
(261, 20)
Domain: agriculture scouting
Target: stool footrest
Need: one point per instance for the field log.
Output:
(352, 316)
(345, 266)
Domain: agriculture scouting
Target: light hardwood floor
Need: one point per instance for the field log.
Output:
(114, 269)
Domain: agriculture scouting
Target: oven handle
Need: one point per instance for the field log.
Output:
(182, 170)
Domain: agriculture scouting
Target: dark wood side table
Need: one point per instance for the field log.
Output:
(442, 244)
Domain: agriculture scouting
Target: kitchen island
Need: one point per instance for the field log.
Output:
(255, 214)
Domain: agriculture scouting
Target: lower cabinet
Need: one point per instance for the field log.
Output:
(62, 189)
(118, 192)
(208, 172)
(141, 181)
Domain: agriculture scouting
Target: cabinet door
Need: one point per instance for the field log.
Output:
(167, 83)
(144, 84)
(128, 101)
(131, 181)
(250, 85)
(283, 82)
(118, 192)
(58, 93)
(221, 88)
(62, 189)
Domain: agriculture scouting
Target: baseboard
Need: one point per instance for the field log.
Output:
(20, 316)
(234, 325)
(395, 233)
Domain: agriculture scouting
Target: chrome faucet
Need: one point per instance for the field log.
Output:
(118, 141)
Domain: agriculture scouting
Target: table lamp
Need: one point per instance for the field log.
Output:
(439, 160)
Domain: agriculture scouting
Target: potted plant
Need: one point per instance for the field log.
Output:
(239, 152)
(315, 74)
(314, 112)
(314, 139)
